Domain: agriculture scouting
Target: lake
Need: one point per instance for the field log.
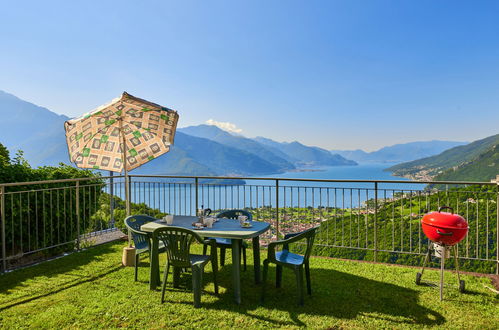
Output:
(368, 171)
(178, 198)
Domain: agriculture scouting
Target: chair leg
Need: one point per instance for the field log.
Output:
(278, 276)
(136, 266)
(299, 282)
(197, 278)
(244, 257)
(204, 249)
(176, 276)
(165, 278)
(307, 276)
(214, 267)
(264, 280)
(222, 257)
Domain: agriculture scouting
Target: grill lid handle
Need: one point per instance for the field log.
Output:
(444, 234)
(445, 207)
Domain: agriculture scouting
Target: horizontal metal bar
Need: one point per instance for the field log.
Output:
(393, 251)
(312, 180)
(38, 250)
(12, 184)
(52, 189)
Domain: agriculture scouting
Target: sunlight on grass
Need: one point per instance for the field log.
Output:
(92, 290)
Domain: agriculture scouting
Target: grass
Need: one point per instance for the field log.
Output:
(91, 289)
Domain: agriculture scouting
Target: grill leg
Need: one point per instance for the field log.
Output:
(457, 264)
(460, 283)
(425, 261)
(442, 265)
(426, 258)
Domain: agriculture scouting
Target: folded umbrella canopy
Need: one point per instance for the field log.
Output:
(121, 135)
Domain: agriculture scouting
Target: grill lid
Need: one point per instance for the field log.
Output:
(445, 219)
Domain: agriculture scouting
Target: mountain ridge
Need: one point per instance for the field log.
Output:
(305, 156)
(239, 142)
(401, 152)
(429, 167)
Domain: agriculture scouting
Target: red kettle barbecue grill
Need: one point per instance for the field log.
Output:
(445, 230)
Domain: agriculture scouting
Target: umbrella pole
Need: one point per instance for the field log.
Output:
(127, 180)
(127, 204)
(127, 193)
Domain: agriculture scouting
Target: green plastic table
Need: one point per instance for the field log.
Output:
(227, 228)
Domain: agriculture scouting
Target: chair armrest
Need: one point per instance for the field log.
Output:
(288, 239)
(291, 235)
(210, 241)
(284, 242)
(138, 232)
(213, 249)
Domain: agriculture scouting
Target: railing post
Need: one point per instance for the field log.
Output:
(196, 186)
(77, 215)
(497, 226)
(2, 211)
(277, 208)
(375, 221)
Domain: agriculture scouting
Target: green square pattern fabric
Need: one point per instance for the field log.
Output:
(128, 131)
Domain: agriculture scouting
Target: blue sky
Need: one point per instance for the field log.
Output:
(337, 74)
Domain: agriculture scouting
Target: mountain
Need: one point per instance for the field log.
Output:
(198, 156)
(40, 134)
(357, 155)
(274, 147)
(397, 153)
(483, 168)
(239, 142)
(302, 155)
(34, 129)
(463, 156)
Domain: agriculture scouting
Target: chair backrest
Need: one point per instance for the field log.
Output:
(233, 214)
(309, 235)
(177, 242)
(133, 224)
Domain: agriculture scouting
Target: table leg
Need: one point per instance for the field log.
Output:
(256, 258)
(154, 267)
(236, 269)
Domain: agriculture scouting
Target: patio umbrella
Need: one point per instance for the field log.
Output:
(121, 135)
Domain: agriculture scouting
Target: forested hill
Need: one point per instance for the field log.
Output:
(482, 168)
(475, 158)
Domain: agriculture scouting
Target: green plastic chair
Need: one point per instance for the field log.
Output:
(226, 243)
(285, 258)
(178, 244)
(141, 239)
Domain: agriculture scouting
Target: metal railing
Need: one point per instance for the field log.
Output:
(373, 219)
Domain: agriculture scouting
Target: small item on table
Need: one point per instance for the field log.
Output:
(168, 219)
(198, 225)
(246, 224)
(242, 218)
(208, 221)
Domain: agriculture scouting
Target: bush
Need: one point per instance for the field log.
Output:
(43, 216)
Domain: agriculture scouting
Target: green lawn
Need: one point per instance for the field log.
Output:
(91, 289)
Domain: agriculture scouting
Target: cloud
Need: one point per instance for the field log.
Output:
(226, 126)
